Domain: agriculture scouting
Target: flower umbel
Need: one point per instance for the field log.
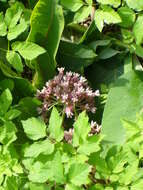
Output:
(70, 91)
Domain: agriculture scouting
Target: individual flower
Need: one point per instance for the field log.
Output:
(95, 128)
(69, 91)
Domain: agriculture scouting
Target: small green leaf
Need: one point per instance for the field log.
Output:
(82, 14)
(81, 129)
(73, 5)
(5, 101)
(107, 15)
(137, 28)
(28, 50)
(13, 33)
(90, 146)
(128, 17)
(3, 27)
(136, 4)
(55, 126)
(44, 147)
(34, 128)
(15, 60)
(114, 3)
(78, 174)
(12, 114)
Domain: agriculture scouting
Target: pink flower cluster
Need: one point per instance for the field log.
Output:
(69, 90)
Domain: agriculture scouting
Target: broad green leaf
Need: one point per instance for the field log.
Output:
(40, 147)
(55, 126)
(3, 27)
(17, 30)
(73, 5)
(128, 17)
(12, 114)
(15, 60)
(52, 170)
(124, 101)
(81, 129)
(136, 4)
(5, 101)
(137, 30)
(127, 177)
(34, 128)
(58, 169)
(82, 14)
(75, 56)
(106, 15)
(114, 3)
(78, 174)
(28, 50)
(40, 173)
(47, 22)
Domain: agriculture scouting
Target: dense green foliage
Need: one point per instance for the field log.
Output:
(102, 41)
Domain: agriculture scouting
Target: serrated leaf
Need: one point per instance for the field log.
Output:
(114, 3)
(137, 28)
(73, 5)
(34, 128)
(55, 126)
(81, 129)
(106, 15)
(39, 186)
(52, 170)
(78, 174)
(5, 101)
(15, 60)
(41, 147)
(28, 50)
(3, 27)
(136, 4)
